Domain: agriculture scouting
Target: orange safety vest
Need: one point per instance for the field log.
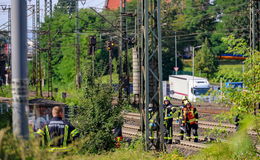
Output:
(189, 115)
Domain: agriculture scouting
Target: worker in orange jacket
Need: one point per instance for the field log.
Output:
(190, 118)
(180, 119)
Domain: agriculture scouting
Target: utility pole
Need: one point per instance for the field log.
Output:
(19, 68)
(254, 32)
(254, 25)
(5, 59)
(49, 52)
(138, 64)
(38, 52)
(125, 40)
(34, 64)
(152, 71)
(110, 62)
(48, 13)
(9, 45)
(77, 45)
(123, 47)
(176, 65)
(92, 47)
(193, 67)
(120, 53)
(47, 8)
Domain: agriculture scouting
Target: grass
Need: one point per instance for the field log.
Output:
(233, 67)
(5, 91)
(11, 148)
(106, 79)
(224, 66)
(238, 146)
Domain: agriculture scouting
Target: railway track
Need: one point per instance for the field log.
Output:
(134, 118)
(132, 129)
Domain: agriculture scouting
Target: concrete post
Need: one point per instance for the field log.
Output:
(19, 67)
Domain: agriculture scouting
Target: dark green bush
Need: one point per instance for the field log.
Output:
(96, 117)
(5, 119)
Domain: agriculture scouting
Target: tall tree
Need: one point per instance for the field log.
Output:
(205, 61)
(65, 6)
(199, 19)
(232, 17)
(62, 41)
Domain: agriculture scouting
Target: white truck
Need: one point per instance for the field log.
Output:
(193, 88)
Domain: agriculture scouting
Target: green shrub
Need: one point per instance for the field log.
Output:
(96, 117)
(5, 119)
(239, 146)
(224, 76)
(14, 149)
(5, 91)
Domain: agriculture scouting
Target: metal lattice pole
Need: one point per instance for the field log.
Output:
(38, 52)
(254, 32)
(120, 53)
(9, 41)
(77, 47)
(257, 24)
(47, 8)
(254, 25)
(49, 55)
(34, 78)
(153, 72)
(48, 13)
(7, 26)
(126, 50)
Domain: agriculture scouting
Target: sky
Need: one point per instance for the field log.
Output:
(82, 4)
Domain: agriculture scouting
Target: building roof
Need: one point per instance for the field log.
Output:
(36, 102)
(113, 4)
(44, 102)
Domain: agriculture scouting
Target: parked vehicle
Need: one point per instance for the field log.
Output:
(166, 88)
(193, 88)
(234, 84)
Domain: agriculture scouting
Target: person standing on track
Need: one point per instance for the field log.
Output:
(190, 117)
(180, 119)
(168, 119)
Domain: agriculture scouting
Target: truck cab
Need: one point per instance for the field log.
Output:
(198, 90)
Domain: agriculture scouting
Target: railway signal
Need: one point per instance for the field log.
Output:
(92, 44)
(110, 45)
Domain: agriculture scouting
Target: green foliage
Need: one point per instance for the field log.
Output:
(168, 59)
(62, 39)
(243, 103)
(96, 117)
(5, 91)
(205, 61)
(130, 108)
(5, 118)
(135, 151)
(12, 148)
(73, 95)
(106, 79)
(231, 19)
(224, 76)
(65, 6)
(199, 18)
(246, 99)
(239, 146)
